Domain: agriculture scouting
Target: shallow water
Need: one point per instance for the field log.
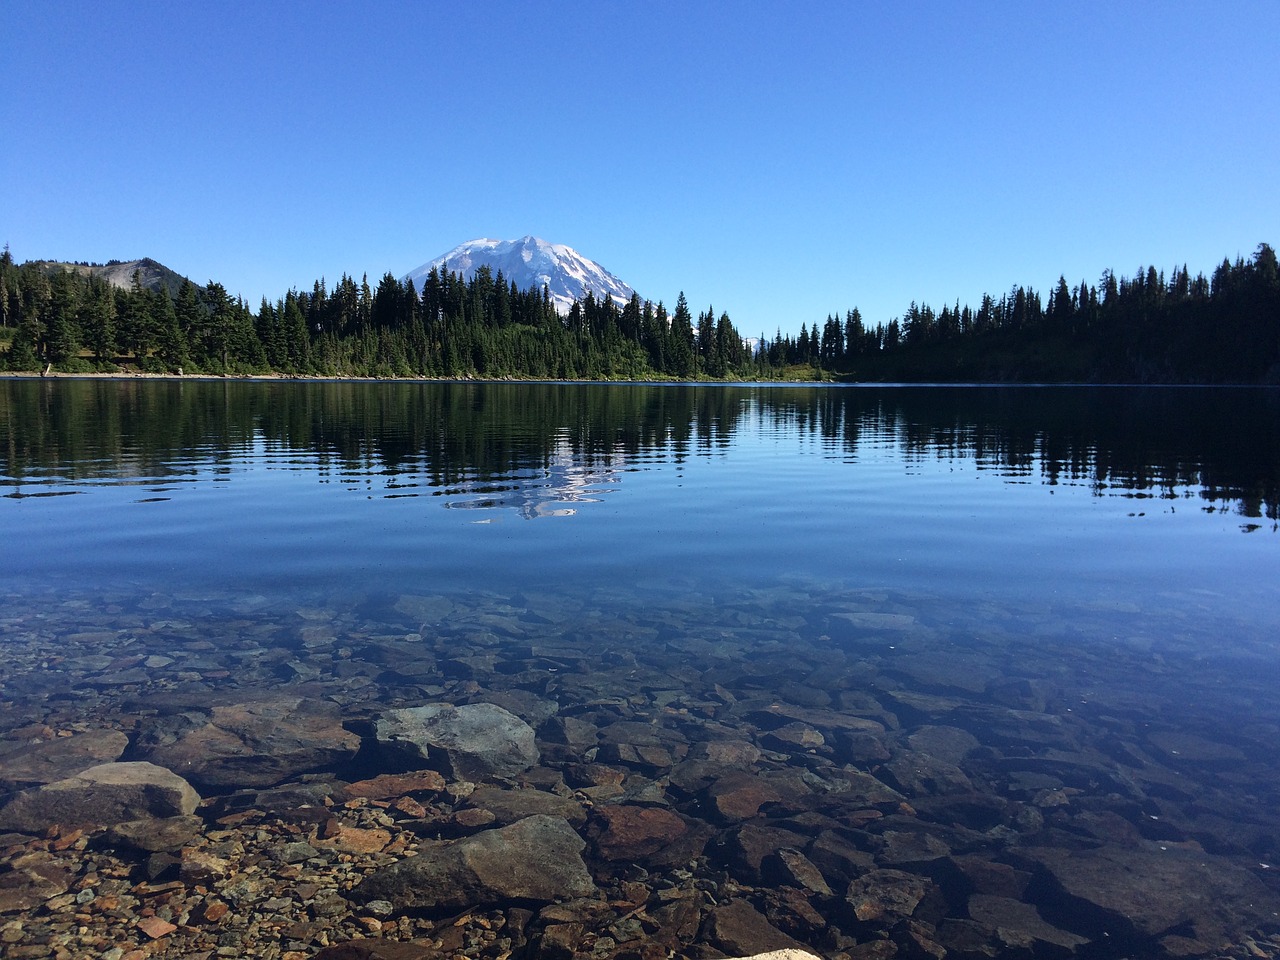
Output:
(1081, 581)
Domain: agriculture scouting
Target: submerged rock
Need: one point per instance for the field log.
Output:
(1131, 894)
(164, 835)
(634, 833)
(739, 929)
(536, 859)
(106, 794)
(253, 744)
(31, 764)
(477, 740)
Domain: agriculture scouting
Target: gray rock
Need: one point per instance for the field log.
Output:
(536, 859)
(108, 793)
(477, 740)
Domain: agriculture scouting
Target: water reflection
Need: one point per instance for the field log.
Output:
(545, 449)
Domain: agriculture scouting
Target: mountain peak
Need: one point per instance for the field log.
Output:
(530, 262)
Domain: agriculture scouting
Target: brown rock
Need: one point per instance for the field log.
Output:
(1019, 924)
(792, 868)
(26, 888)
(356, 839)
(155, 928)
(739, 796)
(388, 786)
(634, 833)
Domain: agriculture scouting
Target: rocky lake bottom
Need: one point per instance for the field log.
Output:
(665, 770)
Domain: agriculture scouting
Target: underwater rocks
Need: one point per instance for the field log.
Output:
(532, 778)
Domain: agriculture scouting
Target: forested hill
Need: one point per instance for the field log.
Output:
(1151, 328)
(119, 273)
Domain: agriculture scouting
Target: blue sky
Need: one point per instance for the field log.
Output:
(776, 160)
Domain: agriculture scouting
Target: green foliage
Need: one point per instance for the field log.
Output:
(1151, 328)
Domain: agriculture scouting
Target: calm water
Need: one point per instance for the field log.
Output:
(1107, 559)
(1062, 496)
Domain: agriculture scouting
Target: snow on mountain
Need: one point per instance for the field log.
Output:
(531, 262)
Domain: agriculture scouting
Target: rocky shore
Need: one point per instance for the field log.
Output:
(410, 777)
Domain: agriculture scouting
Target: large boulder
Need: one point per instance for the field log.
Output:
(103, 795)
(537, 859)
(255, 744)
(476, 740)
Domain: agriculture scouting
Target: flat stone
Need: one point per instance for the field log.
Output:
(538, 859)
(739, 796)
(389, 786)
(477, 740)
(635, 833)
(108, 793)
(155, 927)
(31, 764)
(508, 806)
(23, 890)
(945, 743)
(348, 839)
(253, 744)
(920, 774)
(1139, 893)
(155, 835)
(1020, 924)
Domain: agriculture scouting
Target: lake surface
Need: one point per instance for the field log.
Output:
(1063, 600)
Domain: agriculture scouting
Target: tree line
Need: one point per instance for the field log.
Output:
(483, 327)
(1149, 328)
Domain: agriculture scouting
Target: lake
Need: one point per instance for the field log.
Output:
(907, 668)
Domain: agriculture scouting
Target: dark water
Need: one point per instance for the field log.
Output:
(1084, 580)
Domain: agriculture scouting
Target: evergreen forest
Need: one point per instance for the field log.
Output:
(1152, 327)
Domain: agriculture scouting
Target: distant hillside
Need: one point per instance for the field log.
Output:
(155, 276)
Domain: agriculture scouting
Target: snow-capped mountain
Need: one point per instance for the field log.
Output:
(531, 262)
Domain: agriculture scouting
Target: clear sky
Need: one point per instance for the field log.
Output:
(776, 160)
